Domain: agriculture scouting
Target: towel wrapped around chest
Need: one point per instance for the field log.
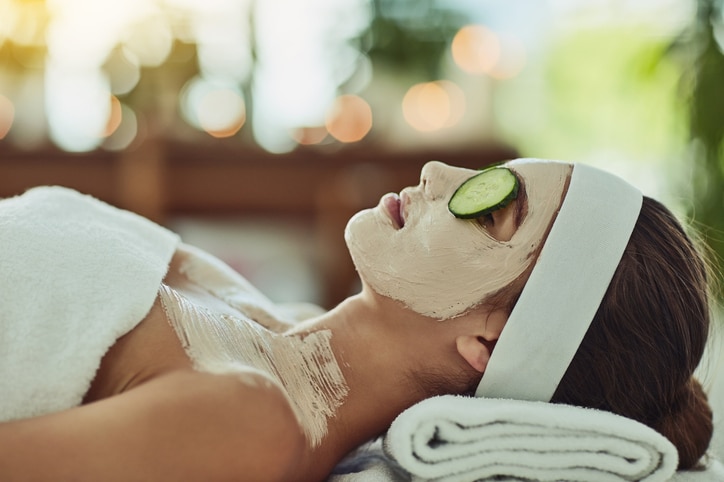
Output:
(75, 275)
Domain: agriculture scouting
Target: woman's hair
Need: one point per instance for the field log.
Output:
(649, 333)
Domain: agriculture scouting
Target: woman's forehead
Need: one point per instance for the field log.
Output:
(539, 175)
(530, 164)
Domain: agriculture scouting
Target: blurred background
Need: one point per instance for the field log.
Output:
(255, 128)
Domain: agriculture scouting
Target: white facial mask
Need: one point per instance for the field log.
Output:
(441, 266)
(219, 337)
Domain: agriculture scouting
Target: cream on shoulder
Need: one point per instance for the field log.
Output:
(227, 326)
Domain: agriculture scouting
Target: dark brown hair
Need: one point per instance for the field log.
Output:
(639, 354)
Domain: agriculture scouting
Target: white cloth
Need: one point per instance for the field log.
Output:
(565, 288)
(454, 438)
(370, 464)
(75, 274)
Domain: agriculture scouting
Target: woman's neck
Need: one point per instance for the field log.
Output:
(378, 346)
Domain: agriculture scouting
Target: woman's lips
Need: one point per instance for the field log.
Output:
(404, 201)
(392, 205)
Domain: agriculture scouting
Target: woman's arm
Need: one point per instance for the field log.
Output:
(182, 426)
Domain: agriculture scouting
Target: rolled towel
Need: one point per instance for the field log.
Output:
(452, 438)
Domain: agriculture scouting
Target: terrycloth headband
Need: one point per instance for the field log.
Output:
(565, 288)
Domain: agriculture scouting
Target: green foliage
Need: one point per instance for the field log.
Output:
(703, 79)
(604, 89)
(411, 35)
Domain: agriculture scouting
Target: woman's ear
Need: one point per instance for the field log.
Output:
(477, 347)
(474, 350)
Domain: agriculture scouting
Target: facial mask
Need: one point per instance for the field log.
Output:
(219, 339)
(441, 266)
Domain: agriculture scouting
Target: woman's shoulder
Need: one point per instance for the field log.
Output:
(244, 413)
(183, 425)
(242, 387)
(251, 401)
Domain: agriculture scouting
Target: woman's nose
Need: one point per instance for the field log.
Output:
(438, 179)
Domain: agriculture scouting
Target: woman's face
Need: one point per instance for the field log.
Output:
(412, 249)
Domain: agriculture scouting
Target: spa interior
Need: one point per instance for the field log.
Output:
(256, 128)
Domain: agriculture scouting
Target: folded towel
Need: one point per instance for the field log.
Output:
(451, 438)
(75, 274)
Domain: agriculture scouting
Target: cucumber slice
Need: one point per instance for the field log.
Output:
(490, 190)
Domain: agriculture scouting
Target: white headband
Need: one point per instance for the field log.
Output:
(565, 288)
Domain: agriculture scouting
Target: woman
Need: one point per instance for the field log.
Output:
(213, 382)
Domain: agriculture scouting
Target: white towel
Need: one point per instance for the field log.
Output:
(451, 438)
(368, 463)
(75, 274)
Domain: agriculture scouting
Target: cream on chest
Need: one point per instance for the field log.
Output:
(226, 325)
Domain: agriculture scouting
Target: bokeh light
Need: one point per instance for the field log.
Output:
(81, 41)
(308, 136)
(512, 59)
(23, 22)
(221, 112)
(114, 117)
(150, 40)
(30, 124)
(299, 57)
(7, 115)
(478, 50)
(77, 106)
(432, 106)
(125, 132)
(123, 70)
(350, 118)
(222, 33)
(215, 107)
(303, 56)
